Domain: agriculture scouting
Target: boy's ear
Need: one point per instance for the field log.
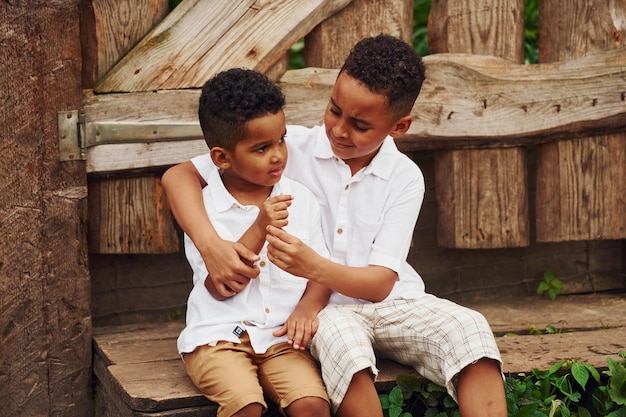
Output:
(401, 126)
(220, 157)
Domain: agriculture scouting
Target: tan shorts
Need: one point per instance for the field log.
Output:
(233, 376)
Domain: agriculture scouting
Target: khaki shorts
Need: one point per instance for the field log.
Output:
(233, 376)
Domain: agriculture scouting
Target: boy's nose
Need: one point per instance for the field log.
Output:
(277, 156)
(339, 129)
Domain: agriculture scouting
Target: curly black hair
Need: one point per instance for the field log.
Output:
(231, 99)
(389, 66)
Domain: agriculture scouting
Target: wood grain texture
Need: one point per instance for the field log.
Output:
(126, 215)
(109, 29)
(329, 43)
(138, 368)
(130, 215)
(481, 207)
(581, 184)
(200, 38)
(45, 327)
(467, 101)
(482, 198)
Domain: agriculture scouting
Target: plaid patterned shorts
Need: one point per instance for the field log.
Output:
(435, 336)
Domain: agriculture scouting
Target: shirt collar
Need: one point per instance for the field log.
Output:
(223, 200)
(381, 165)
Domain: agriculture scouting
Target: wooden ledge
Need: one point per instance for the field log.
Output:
(139, 372)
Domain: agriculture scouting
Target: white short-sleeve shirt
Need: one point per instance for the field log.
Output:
(368, 218)
(265, 304)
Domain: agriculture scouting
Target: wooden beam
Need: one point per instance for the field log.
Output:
(581, 184)
(468, 101)
(199, 38)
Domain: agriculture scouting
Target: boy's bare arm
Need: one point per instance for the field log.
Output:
(274, 211)
(372, 283)
(223, 259)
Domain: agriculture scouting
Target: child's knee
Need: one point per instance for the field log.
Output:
(309, 407)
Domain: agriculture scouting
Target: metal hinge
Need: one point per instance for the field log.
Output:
(75, 135)
(71, 133)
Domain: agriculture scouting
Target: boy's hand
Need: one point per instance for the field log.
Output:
(230, 267)
(290, 254)
(274, 211)
(300, 327)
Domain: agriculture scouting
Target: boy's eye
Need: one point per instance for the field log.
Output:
(360, 128)
(334, 111)
(261, 149)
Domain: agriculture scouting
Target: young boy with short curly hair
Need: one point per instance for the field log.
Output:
(236, 348)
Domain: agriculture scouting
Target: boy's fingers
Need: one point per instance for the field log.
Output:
(246, 254)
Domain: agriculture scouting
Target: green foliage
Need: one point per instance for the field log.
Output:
(414, 396)
(550, 285)
(568, 389)
(421, 10)
(531, 32)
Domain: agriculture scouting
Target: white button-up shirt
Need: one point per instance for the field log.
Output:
(368, 218)
(266, 303)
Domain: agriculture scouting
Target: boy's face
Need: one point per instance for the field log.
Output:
(260, 158)
(357, 121)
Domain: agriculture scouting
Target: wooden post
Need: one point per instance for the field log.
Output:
(581, 183)
(330, 42)
(126, 215)
(481, 194)
(45, 325)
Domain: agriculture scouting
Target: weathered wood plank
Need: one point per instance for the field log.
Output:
(139, 369)
(126, 215)
(482, 194)
(109, 29)
(200, 38)
(130, 215)
(45, 327)
(467, 102)
(581, 184)
(328, 45)
(482, 198)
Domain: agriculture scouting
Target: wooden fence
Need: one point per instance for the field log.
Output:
(499, 112)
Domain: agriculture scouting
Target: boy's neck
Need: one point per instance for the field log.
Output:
(246, 193)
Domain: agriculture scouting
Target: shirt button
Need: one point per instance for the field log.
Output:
(346, 187)
(339, 231)
(262, 263)
(267, 310)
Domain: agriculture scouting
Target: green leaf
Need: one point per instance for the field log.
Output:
(617, 381)
(384, 401)
(620, 412)
(529, 410)
(593, 371)
(555, 367)
(395, 411)
(543, 287)
(580, 373)
(396, 399)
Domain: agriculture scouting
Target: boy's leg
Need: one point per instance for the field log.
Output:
(480, 390)
(291, 378)
(361, 399)
(226, 375)
(343, 345)
(448, 344)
